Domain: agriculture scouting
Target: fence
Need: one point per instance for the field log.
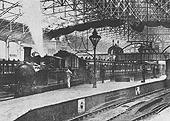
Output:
(7, 69)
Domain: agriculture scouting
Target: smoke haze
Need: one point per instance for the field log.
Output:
(33, 19)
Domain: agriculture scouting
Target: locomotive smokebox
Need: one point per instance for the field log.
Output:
(27, 54)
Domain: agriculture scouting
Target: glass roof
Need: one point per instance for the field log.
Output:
(144, 20)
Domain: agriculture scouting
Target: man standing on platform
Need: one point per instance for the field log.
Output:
(143, 73)
(68, 74)
(102, 73)
(154, 72)
(157, 72)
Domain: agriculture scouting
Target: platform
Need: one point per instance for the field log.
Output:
(10, 110)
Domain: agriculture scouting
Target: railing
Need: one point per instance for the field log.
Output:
(142, 57)
(7, 69)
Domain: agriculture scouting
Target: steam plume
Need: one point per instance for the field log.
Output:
(33, 19)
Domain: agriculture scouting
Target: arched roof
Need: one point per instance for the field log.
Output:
(115, 49)
(80, 15)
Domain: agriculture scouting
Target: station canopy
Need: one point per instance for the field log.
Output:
(126, 21)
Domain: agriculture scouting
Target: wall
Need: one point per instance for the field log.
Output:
(75, 107)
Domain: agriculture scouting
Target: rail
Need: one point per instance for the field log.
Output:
(112, 106)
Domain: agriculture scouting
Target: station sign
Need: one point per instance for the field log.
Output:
(137, 90)
(81, 105)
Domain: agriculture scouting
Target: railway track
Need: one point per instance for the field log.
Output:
(152, 112)
(149, 100)
(6, 96)
(147, 110)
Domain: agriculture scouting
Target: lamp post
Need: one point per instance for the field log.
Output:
(94, 38)
(7, 49)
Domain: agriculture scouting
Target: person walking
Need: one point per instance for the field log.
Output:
(89, 75)
(102, 73)
(154, 72)
(143, 73)
(68, 74)
(157, 72)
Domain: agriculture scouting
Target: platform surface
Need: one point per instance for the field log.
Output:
(162, 116)
(14, 108)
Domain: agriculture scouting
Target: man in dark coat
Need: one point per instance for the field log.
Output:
(102, 73)
(143, 73)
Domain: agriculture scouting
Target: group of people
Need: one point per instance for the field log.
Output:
(155, 72)
(90, 75)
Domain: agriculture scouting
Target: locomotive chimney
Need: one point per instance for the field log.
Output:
(27, 54)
